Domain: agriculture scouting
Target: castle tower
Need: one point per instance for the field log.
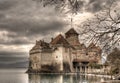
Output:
(64, 52)
(72, 38)
(38, 55)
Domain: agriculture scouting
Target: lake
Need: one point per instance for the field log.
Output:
(19, 76)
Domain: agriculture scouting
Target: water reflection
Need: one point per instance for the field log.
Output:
(13, 76)
(19, 76)
(35, 78)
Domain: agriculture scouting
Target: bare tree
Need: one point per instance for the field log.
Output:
(71, 5)
(104, 28)
(114, 60)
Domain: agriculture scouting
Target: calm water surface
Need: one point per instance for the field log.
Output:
(18, 76)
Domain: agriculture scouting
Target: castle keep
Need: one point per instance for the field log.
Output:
(62, 54)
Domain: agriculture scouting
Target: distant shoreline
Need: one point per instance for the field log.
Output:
(14, 68)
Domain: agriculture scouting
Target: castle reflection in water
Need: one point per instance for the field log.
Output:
(36, 78)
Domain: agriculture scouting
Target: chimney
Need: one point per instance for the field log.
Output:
(36, 42)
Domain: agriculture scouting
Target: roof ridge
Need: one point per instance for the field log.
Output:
(72, 31)
(59, 40)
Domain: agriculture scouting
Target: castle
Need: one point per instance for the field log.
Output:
(62, 54)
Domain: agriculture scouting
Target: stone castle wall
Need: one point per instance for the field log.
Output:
(35, 60)
(58, 57)
(46, 58)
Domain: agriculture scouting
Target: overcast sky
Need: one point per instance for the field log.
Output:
(22, 22)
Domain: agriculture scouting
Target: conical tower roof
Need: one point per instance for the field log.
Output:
(71, 31)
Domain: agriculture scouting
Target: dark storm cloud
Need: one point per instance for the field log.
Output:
(27, 28)
(94, 6)
(2, 16)
(17, 41)
(30, 28)
(11, 53)
(22, 29)
(97, 5)
(7, 4)
(90, 5)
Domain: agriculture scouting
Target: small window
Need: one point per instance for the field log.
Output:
(56, 56)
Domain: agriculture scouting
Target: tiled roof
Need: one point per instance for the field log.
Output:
(71, 31)
(40, 45)
(93, 46)
(59, 40)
